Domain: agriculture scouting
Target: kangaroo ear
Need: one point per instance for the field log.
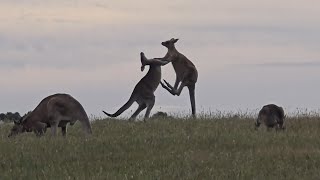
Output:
(175, 40)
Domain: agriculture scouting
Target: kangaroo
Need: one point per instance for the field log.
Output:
(143, 92)
(186, 73)
(272, 116)
(53, 111)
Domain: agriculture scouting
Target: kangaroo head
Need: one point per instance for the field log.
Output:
(170, 43)
(18, 127)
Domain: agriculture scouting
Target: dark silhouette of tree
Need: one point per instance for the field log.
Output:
(9, 116)
(16, 116)
(2, 116)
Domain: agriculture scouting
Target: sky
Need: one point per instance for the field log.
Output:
(248, 53)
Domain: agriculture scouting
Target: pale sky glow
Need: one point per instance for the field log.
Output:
(248, 52)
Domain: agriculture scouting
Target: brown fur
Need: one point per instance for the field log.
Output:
(53, 111)
(272, 116)
(143, 92)
(186, 73)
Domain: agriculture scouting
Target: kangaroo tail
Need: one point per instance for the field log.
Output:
(123, 108)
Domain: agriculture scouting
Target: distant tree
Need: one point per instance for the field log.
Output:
(16, 116)
(9, 116)
(2, 116)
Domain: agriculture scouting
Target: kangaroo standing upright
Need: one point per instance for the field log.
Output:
(186, 73)
(143, 93)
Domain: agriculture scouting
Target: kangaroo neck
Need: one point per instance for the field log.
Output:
(154, 70)
(172, 49)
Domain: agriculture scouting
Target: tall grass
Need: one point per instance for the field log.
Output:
(206, 148)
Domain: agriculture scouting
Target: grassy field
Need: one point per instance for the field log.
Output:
(227, 148)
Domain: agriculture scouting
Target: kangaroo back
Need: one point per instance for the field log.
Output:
(65, 107)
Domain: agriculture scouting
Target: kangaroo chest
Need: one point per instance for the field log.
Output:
(178, 67)
(153, 77)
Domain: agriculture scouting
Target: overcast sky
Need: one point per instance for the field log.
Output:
(248, 52)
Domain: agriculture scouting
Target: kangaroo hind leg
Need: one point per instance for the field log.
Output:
(150, 105)
(140, 108)
(169, 85)
(54, 120)
(166, 87)
(192, 99)
(173, 91)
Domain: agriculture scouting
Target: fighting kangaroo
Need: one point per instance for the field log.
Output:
(53, 111)
(143, 93)
(272, 116)
(186, 73)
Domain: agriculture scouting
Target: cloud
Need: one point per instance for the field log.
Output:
(310, 64)
(88, 13)
(91, 48)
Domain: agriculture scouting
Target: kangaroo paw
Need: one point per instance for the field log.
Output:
(143, 58)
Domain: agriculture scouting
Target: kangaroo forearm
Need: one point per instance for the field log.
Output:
(157, 62)
(166, 58)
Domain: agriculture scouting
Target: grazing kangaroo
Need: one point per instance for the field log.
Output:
(186, 73)
(53, 111)
(272, 116)
(143, 92)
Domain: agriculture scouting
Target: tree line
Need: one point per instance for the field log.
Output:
(9, 116)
